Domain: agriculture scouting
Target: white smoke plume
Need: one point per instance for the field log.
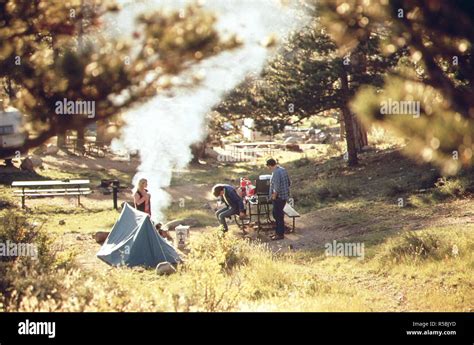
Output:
(163, 129)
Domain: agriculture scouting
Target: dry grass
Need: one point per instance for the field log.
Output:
(231, 274)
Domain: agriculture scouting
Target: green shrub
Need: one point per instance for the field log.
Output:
(333, 150)
(429, 180)
(227, 251)
(394, 189)
(205, 287)
(302, 162)
(322, 193)
(420, 200)
(447, 188)
(207, 271)
(20, 273)
(324, 190)
(16, 228)
(415, 247)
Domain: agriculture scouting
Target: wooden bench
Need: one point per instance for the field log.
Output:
(51, 188)
(288, 210)
(291, 212)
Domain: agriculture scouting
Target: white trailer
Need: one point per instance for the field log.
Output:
(11, 135)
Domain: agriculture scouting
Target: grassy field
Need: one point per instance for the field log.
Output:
(417, 231)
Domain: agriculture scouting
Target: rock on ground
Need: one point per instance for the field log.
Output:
(185, 221)
(51, 149)
(30, 163)
(101, 236)
(165, 268)
(293, 147)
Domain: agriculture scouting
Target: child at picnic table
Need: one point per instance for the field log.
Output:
(141, 196)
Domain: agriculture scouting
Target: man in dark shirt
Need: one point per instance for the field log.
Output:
(233, 202)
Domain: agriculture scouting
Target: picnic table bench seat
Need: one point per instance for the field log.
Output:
(291, 213)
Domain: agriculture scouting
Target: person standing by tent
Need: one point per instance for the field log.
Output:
(279, 193)
(141, 197)
(233, 202)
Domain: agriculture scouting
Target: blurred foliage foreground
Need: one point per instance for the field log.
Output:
(56, 50)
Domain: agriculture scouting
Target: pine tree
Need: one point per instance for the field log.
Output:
(307, 78)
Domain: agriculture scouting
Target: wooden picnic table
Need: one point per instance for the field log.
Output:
(254, 143)
(240, 150)
(57, 188)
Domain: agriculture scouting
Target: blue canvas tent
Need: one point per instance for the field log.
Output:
(134, 241)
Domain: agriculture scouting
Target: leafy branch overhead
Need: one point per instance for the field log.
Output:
(50, 51)
(438, 72)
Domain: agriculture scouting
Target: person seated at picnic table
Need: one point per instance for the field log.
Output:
(141, 197)
(233, 204)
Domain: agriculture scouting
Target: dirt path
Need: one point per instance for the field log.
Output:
(319, 227)
(191, 192)
(316, 228)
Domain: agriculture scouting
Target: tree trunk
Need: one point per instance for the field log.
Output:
(199, 151)
(342, 129)
(350, 137)
(80, 139)
(101, 132)
(348, 122)
(61, 140)
(360, 130)
(360, 134)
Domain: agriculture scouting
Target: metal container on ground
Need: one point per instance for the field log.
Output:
(182, 236)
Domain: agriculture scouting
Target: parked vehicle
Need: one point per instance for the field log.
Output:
(11, 136)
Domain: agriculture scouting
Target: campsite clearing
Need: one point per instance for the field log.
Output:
(262, 276)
